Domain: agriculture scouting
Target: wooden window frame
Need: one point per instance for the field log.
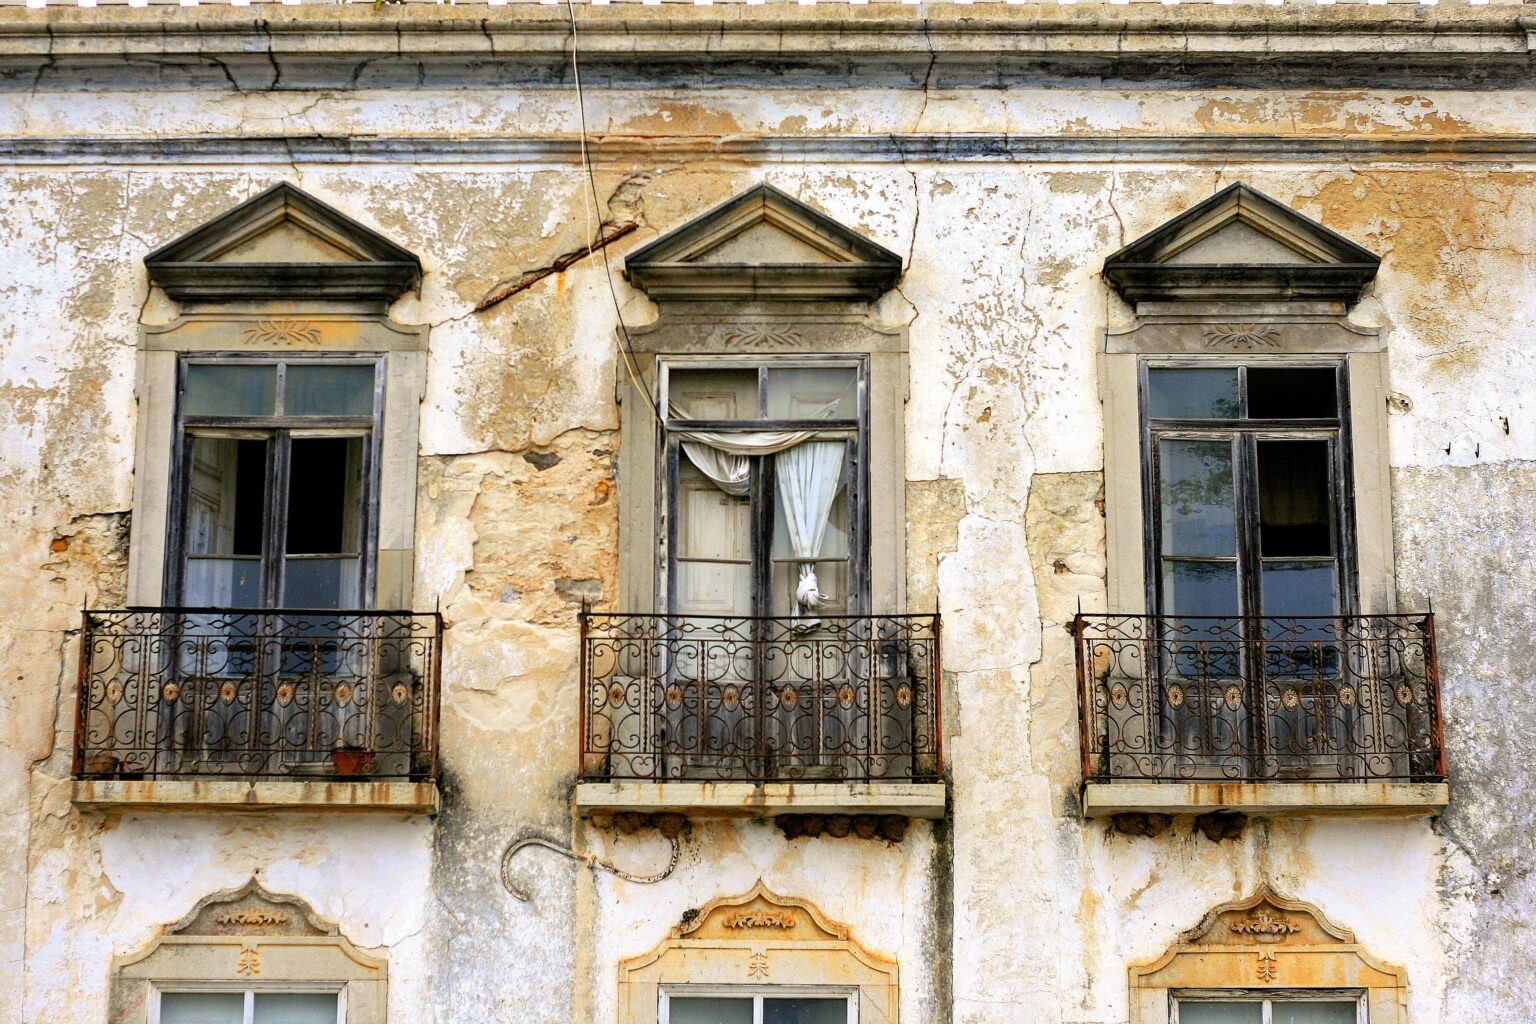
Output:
(1245, 435)
(757, 993)
(279, 430)
(856, 430)
(1268, 997)
(339, 989)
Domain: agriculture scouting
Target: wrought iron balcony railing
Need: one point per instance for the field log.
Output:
(1340, 699)
(185, 692)
(835, 698)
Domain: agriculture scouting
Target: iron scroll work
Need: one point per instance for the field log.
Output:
(834, 698)
(177, 692)
(1334, 699)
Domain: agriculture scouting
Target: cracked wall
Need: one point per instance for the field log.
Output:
(517, 523)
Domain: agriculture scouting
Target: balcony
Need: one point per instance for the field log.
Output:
(757, 717)
(183, 708)
(1265, 716)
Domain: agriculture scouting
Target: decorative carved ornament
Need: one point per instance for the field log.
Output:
(1243, 337)
(761, 337)
(1265, 940)
(759, 919)
(275, 332)
(750, 939)
(256, 918)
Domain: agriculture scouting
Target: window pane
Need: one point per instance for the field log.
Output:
(805, 1011)
(712, 394)
(223, 583)
(328, 390)
(711, 1011)
(325, 496)
(1295, 506)
(823, 393)
(321, 582)
(1315, 1013)
(1192, 394)
(1199, 588)
(226, 512)
(231, 389)
(1220, 1013)
(712, 525)
(202, 1007)
(1195, 497)
(1292, 393)
(296, 1008)
(1293, 589)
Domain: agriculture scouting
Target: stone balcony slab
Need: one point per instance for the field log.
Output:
(768, 800)
(1294, 799)
(223, 795)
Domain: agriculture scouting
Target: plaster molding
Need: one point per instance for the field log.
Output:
(1266, 941)
(929, 45)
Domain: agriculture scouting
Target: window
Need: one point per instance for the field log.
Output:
(1278, 1008)
(765, 488)
(250, 1007)
(276, 462)
(1245, 470)
(781, 1005)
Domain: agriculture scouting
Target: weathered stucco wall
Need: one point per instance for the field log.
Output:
(517, 524)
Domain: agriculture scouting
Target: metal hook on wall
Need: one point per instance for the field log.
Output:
(588, 859)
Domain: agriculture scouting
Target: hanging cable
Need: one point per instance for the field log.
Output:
(518, 892)
(626, 346)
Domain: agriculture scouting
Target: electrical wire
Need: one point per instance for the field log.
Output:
(589, 200)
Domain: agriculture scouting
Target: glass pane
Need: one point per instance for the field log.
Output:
(1192, 394)
(1299, 589)
(296, 1008)
(1195, 496)
(712, 394)
(226, 512)
(805, 1011)
(1295, 506)
(321, 582)
(711, 1011)
(328, 390)
(1196, 589)
(712, 524)
(1220, 1013)
(1315, 1012)
(223, 583)
(325, 496)
(1294, 393)
(822, 393)
(231, 389)
(202, 1007)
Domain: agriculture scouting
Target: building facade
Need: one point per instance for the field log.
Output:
(761, 513)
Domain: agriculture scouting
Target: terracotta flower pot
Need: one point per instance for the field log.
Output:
(353, 762)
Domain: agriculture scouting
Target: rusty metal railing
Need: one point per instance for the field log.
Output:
(178, 692)
(835, 698)
(1341, 698)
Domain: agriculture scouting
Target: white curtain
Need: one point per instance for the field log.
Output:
(722, 456)
(809, 478)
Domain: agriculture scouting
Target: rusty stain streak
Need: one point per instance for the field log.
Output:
(531, 278)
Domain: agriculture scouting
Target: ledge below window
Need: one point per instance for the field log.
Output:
(770, 799)
(255, 795)
(1297, 799)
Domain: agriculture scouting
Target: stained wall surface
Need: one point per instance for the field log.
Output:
(1013, 909)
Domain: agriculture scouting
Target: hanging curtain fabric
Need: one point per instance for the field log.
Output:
(722, 456)
(809, 478)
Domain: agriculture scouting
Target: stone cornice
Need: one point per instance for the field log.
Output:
(339, 47)
(651, 151)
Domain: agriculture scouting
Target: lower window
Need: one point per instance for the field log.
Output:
(1330, 1007)
(758, 1006)
(250, 1008)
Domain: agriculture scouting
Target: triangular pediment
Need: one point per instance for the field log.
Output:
(763, 244)
(283, 243)
(1241, 244)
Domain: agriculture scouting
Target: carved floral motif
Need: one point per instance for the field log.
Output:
(275, 332)
(255, 918)
(1269, 965)
(1265, 927)
(757, 967)
(759, 919)
(765, 337)
(250, 961)
(1242, 336)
